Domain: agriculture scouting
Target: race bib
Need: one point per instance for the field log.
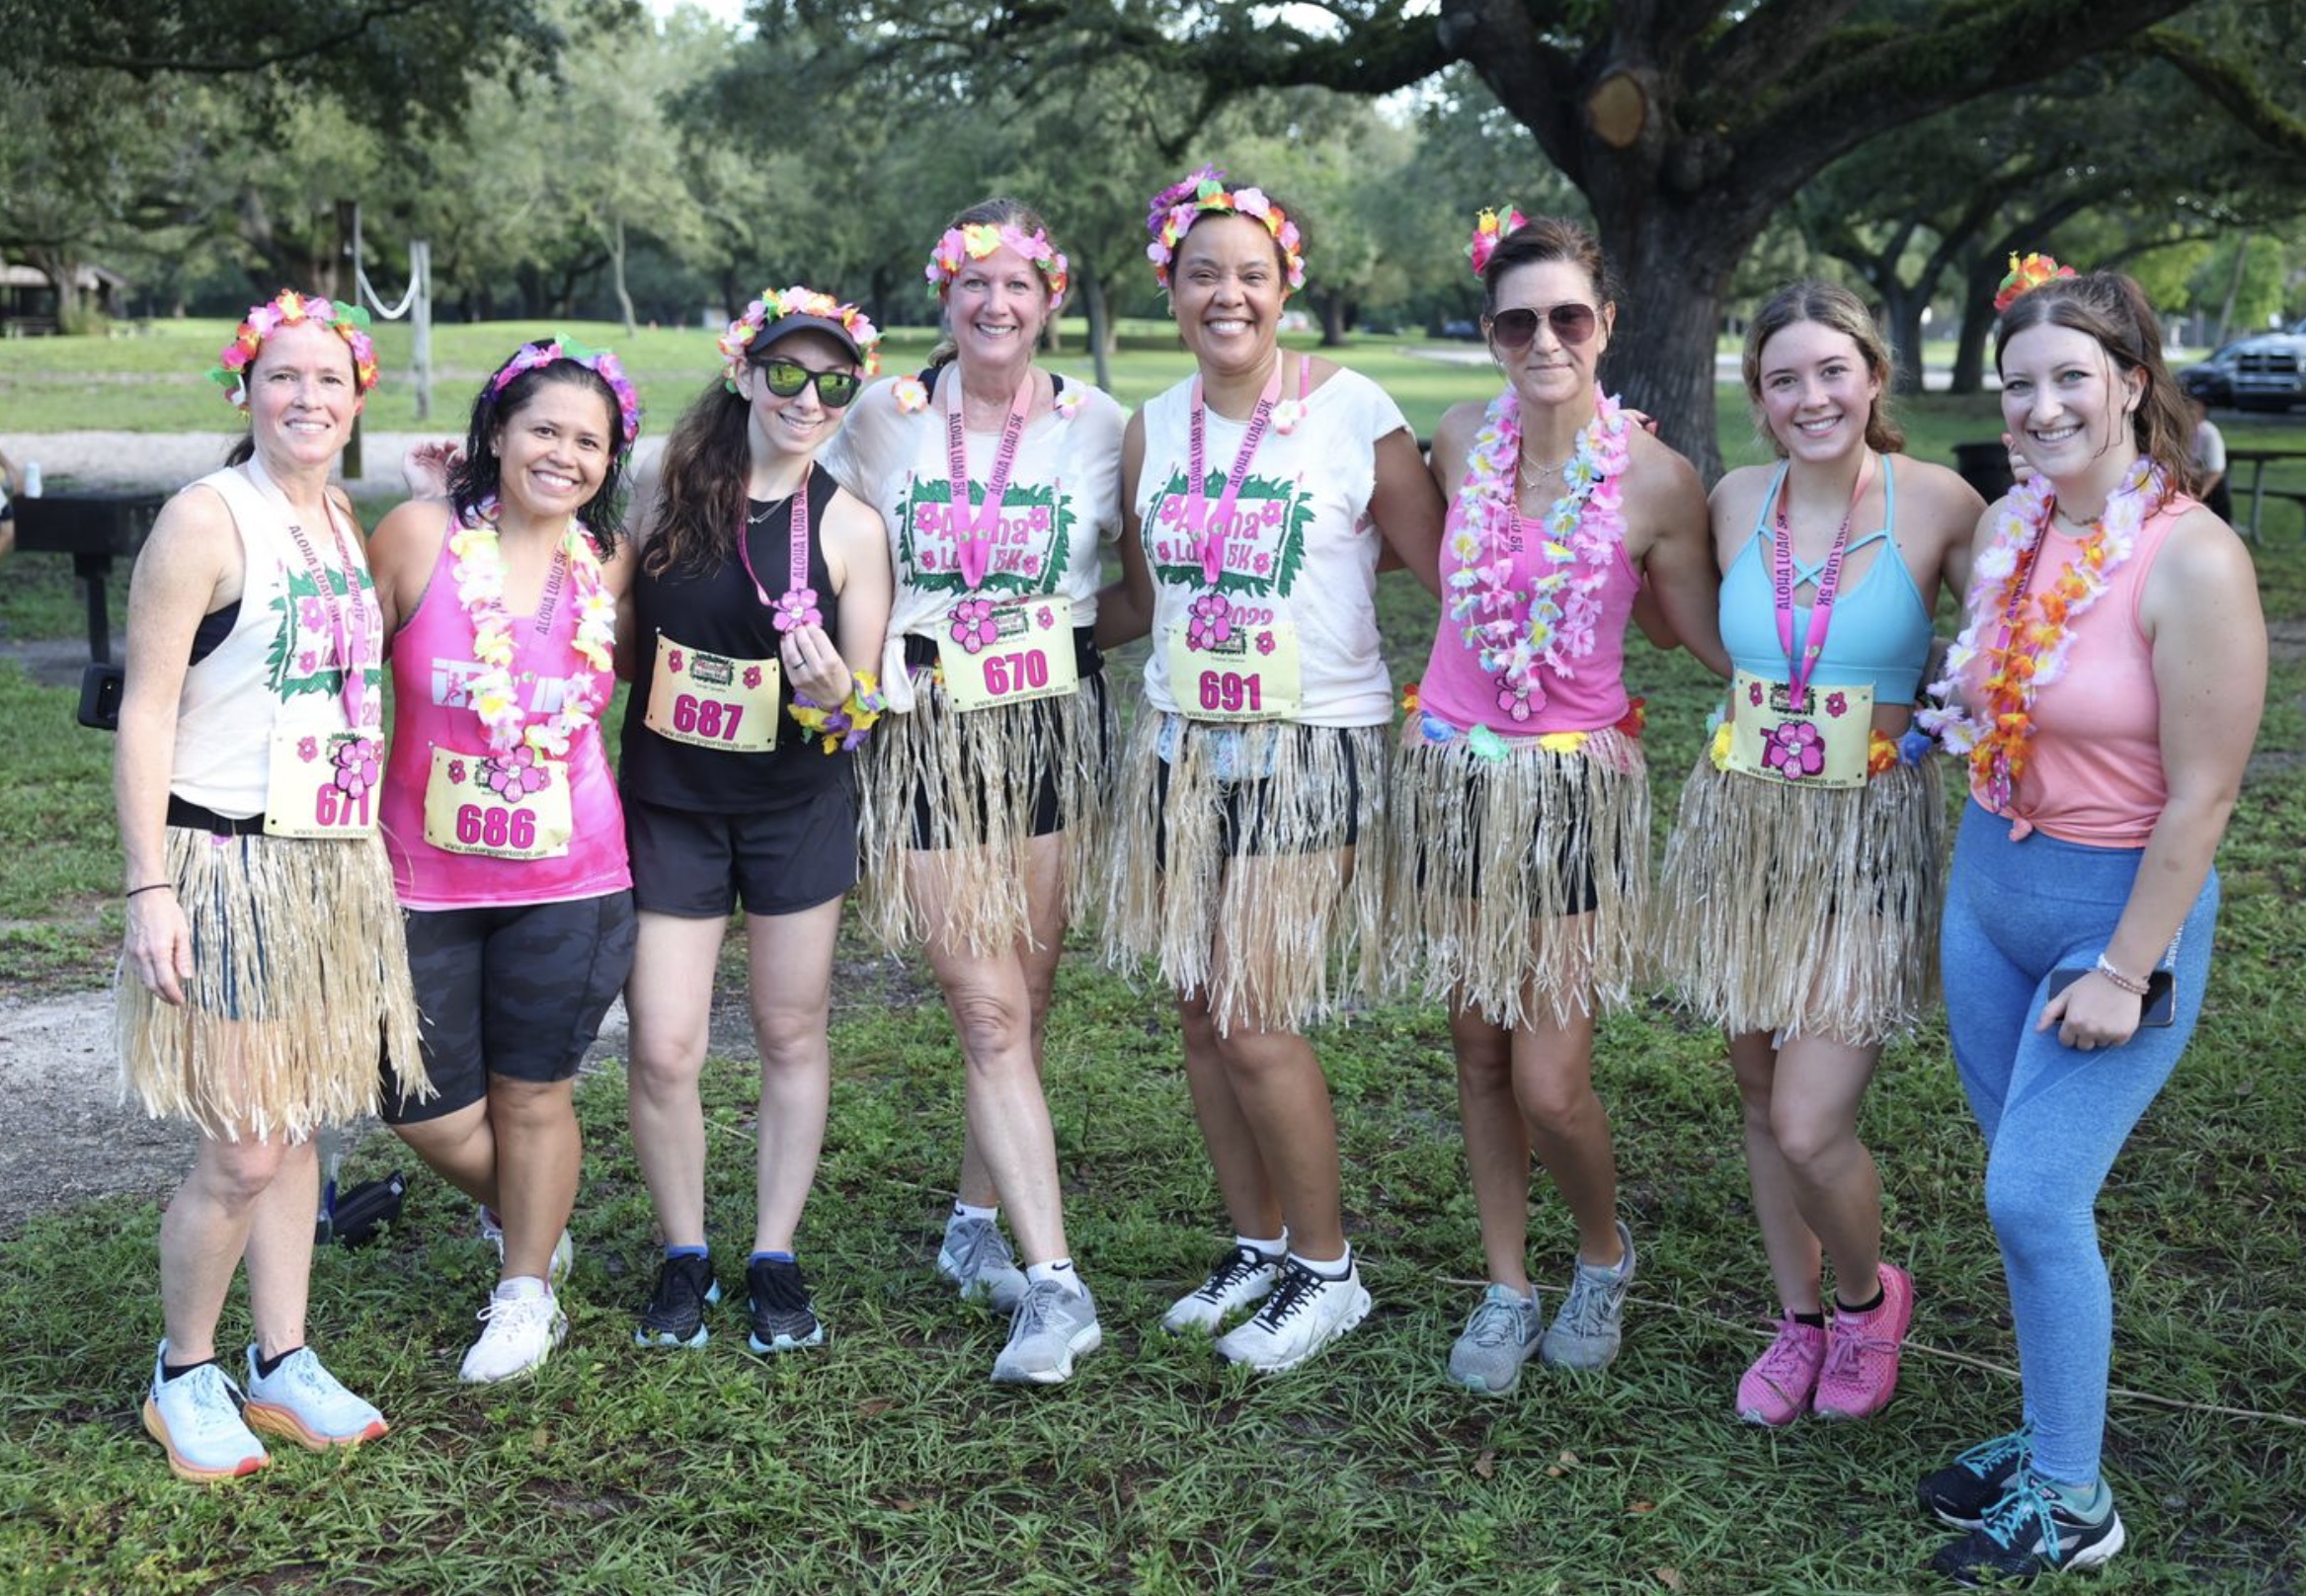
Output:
(1249, 674)
(1007, 653)
(1820, 742)
(322, 785)
(710, 701)
(513, 806)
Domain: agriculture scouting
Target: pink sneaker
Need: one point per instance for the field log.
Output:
(1776, 1391)
(1862, 1352)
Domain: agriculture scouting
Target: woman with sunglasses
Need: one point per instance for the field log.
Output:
(500, 809)
(1520, 798)
(753, 632)
(987, 784)
(1251, 830)
(2105, 691)
(1801, 892)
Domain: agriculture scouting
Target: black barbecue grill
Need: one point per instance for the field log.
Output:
(95, 529)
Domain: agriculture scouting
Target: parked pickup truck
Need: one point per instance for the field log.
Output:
(2270, 371)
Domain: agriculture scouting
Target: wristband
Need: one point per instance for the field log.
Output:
(150, 886)
(2130, 984)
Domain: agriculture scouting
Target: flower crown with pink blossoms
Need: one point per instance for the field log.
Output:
(600, 363)
(1491, 230)
(348, 322)
(1177, 208)
(795, 301)
(978, 239)
(2024, 276)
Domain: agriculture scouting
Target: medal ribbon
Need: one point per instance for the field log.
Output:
(1197, 466)
(972, 531)
(804, 612)
(1800, 667)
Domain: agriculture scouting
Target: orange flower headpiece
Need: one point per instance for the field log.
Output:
(2024, 276)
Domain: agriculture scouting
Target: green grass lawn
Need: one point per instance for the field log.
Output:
(887, 1463)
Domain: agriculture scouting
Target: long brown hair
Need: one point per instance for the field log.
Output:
(700, 483)
(2111, 308)
(1836, 309)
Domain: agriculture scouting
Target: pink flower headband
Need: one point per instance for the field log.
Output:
(600, 363)
(980, 238)
(1489, 231)
(1176, 209)
(2025, 276)
(348, 322)
(795, 301)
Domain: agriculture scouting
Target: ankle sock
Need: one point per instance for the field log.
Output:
(177, 1371)
(265, 1366)
(989, 1213)
(672, 1252)
(1264, 1247)
(1059, 1270)
(1336, 1268)
(1861, 1309)
(771, 1255)
(1816, 1321)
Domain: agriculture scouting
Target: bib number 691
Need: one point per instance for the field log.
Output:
(1232, 691)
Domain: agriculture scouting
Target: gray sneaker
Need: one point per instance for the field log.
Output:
(1052, 1326)
(1586, 1332)
(1498, 1339)
(976, 1258)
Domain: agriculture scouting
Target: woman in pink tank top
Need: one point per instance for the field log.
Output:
(1520, 797)
(500, 809)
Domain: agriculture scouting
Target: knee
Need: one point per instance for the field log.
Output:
(1556, 1101)
(237, 1173)
(2033, 1214)
(665, 1060)
(1810, 1143)
(1485, 1063)
(528, 1104)
(990, 1023)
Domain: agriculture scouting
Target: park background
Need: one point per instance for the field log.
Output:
(631, 176)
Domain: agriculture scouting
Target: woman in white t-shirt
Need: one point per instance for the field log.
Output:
(1251, 823)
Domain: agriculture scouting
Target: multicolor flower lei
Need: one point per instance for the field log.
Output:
(602, 363)
(1486, 744)
(980, 239)
(847, 723)
(348, 322)
(1489, 231)
(2032, 654)
(794, 301)
(1176, 208)
(2025, 276)
(480, 589)
(1518, 636)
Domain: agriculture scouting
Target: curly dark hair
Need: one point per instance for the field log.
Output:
(474, 477)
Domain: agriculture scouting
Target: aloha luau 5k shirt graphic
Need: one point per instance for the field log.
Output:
(1264, 547)
(302, 658)
(1031, 545)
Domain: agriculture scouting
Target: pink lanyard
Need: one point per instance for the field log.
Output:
(973, 532)
(1829, 581)
(1197, 467)
(798, 604)
(352, 661)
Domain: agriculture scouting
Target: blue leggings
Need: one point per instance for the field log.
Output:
(2054, 1116)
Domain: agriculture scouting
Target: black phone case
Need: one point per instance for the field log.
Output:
(2161, 1005)
(100, 696)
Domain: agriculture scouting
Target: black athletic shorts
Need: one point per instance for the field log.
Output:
(779, 861)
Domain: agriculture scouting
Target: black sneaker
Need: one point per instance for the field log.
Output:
(782, 1319)
(674, 1317)
(2032, 1530)
(1962, 1492)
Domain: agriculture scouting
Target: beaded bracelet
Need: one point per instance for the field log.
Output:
(847, 723)
(2130, 984)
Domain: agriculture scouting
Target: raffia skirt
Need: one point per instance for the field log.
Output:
(1805, 910)
(1249, 864)
(299, 976)
(963, 796)
(1520, 885)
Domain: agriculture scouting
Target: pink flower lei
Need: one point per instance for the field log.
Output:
(979, 239)
(1177, 208)
(1516, 636)
(600, 363)
(348, 322)
(479, 570)
(794, 301)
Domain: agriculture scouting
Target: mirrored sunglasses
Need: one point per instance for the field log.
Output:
(1572, 324)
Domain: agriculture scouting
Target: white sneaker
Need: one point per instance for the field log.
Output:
(197, 1417)
(1305, 1314)
(1055, 1323)
(564, 1251)
(303, 1403)
(1241, 1277)
(525, 1322)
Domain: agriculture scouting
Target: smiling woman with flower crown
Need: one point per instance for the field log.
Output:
(2105, 691)
(500, 811)
(1252, 835)
(1521, 799)
(986, 789)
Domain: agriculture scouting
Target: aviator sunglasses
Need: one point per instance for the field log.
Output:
(1572, 324)
(786, 378)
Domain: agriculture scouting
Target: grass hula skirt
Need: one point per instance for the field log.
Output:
(983, 773)
(1494, 849)
(1240, 835)
(1805, 910)
(299, 971)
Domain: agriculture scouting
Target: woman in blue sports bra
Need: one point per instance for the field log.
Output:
(1801, 890)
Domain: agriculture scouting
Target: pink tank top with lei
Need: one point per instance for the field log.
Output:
(432, 672)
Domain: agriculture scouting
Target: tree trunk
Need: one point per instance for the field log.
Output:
(624, 298)
(1978, 323)
(1676, 263)
(1901, 316)
(1092, 290)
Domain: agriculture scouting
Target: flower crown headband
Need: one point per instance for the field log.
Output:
(1177, 208)
(979, 239)
(600, 363)
(2024, 276)
(1489, 231)
(794, 301)
(348, 322)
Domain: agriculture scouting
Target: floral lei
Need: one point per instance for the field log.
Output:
(480, 589)
(348, 322)
(980, 239)
(1178, 206)
(1994, 737)
(794, 301)
(1518, 636)
(602, 363)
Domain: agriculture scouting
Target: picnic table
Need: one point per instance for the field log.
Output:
(2258, 460)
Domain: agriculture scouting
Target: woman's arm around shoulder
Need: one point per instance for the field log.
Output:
(402, 552)
(1671, 530)
(1125, 607)
(1407, 506)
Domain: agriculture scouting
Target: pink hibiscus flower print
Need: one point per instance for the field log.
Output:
(1793, 749)
(1753, 693)
(1837, 705)
(516, 775)
(1265, 642)
(672, 662)
(308, 749)
(310, 615)
(308, 662)
(356, 765)
(797, 608)
(1046, 617)
(1032, 564)
(753, 675)
(1514, 703)
(973, 627)
(1210, 622)
(456, 771)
